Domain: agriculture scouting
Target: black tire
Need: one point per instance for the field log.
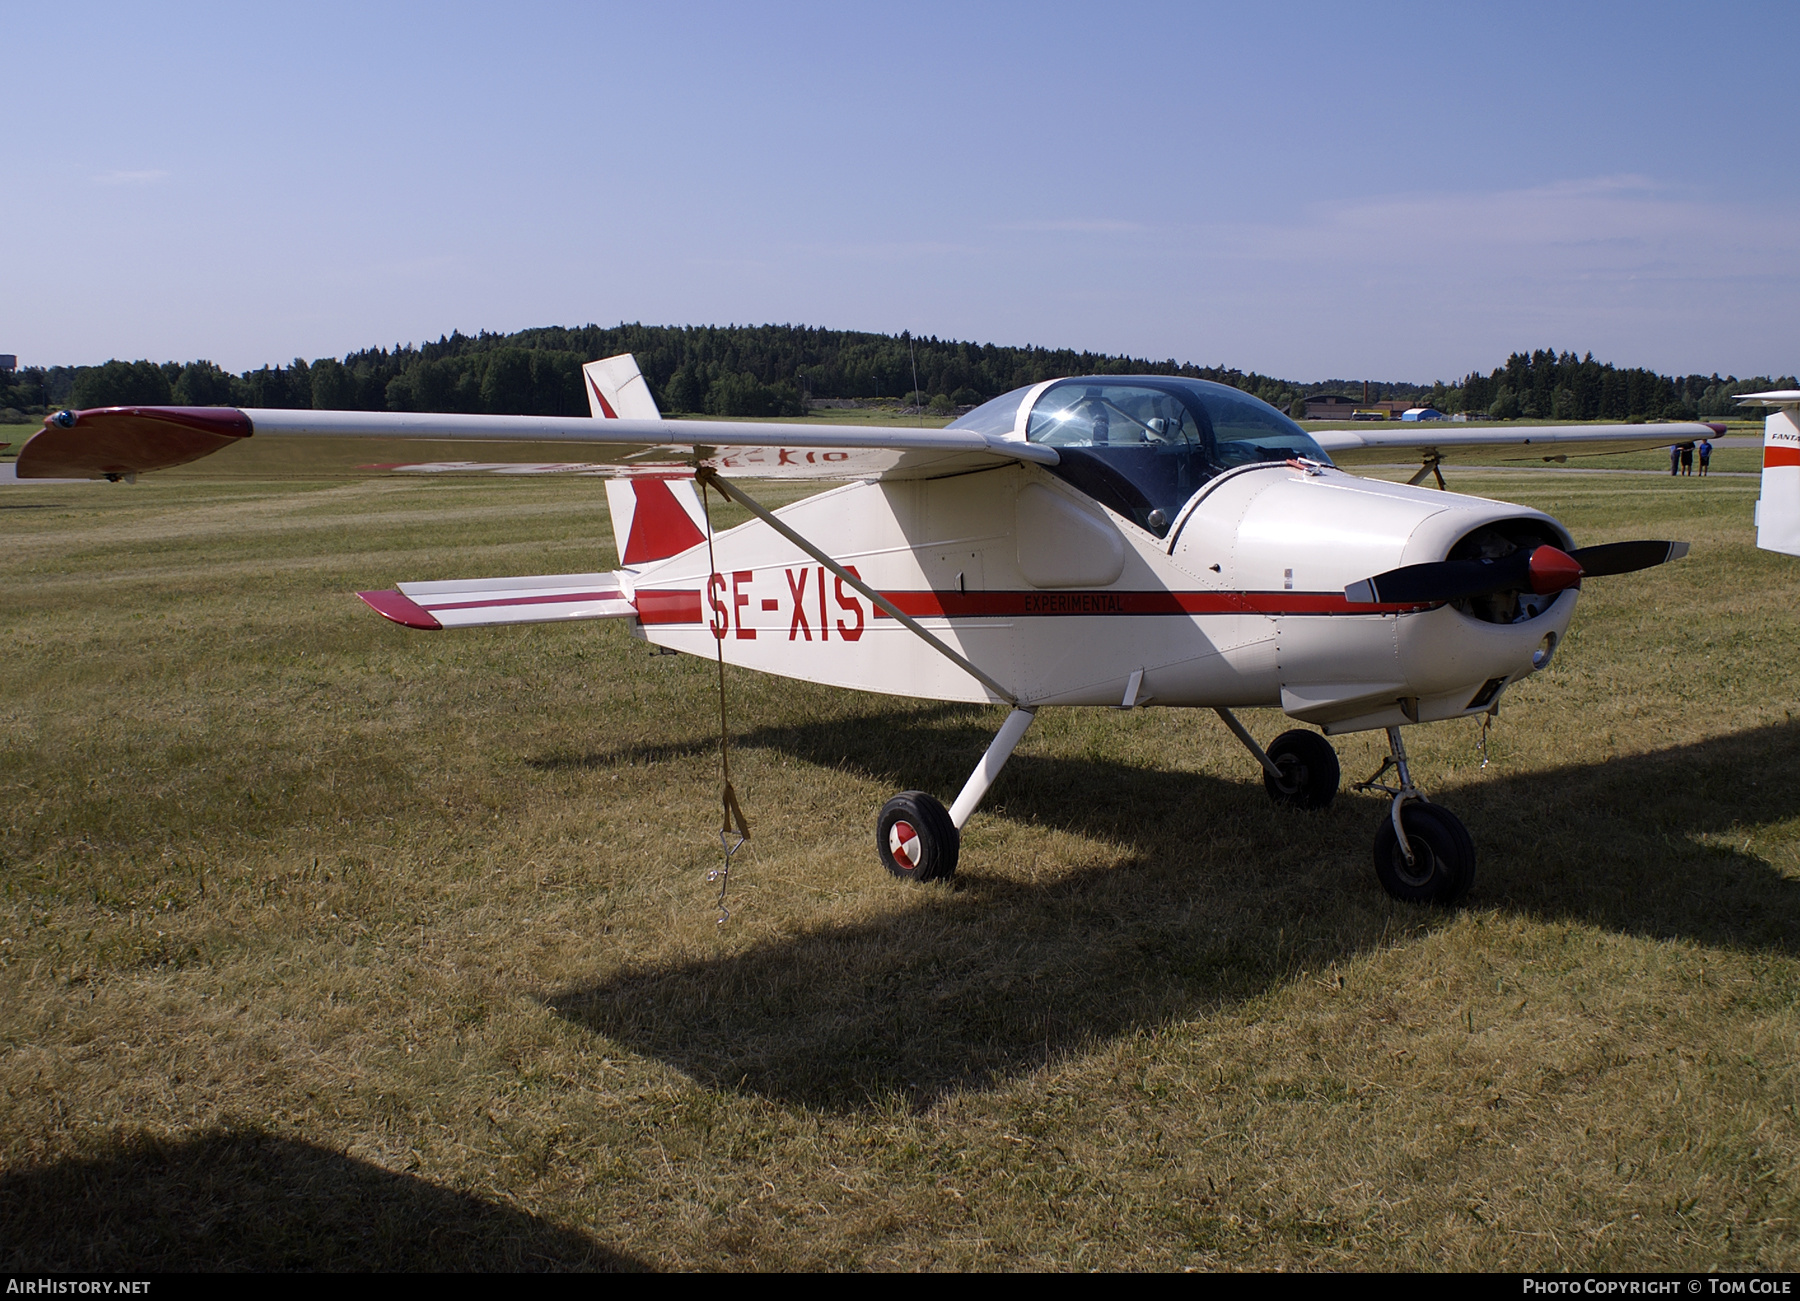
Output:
(916, 839)
(1310, 770)
(1443, 866)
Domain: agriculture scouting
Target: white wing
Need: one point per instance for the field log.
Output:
(123, 442)
(1503, 443)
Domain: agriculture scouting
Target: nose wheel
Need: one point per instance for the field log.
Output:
(1441, 865)
(1423, 853)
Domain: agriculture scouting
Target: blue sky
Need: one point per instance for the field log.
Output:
(1308, 190)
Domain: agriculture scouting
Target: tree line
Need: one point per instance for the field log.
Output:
(771, 370)
(735, 370)
(1547, 385)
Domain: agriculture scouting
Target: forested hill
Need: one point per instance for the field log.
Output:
(773, 369)
(720, 370)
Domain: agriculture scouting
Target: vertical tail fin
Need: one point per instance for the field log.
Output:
(616, 390)
(1778, 509)
(652, 519)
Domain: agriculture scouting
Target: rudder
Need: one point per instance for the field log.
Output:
(1778, 508)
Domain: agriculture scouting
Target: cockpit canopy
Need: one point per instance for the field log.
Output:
(1143, 445)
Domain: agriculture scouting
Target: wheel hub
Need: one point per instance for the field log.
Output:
(1421, 869)
(904, 844)
(1293, 774)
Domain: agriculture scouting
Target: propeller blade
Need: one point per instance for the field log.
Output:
(1543, 570)
(1442, 580)
(1626, 557)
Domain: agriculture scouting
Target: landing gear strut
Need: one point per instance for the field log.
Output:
(1423, 853)
(917, 837)
(1299, 768)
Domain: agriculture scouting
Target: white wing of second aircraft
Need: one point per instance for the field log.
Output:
(1555, 443)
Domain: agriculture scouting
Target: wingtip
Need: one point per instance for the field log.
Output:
(393, 605)
(121, 442)
(1677, 550)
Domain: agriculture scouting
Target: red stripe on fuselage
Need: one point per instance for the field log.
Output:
(1780, 454)
(668, 607)
(1011, 605)
(684, 607)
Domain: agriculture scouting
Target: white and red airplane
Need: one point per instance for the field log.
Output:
(1778, 505)
(1115, 541)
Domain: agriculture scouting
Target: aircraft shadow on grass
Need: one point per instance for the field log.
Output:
(1209, 895)
(243, 1200)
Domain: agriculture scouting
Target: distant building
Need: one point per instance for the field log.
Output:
(8, 363)
(1329, 406)
(1421, 413)
(1336, 406)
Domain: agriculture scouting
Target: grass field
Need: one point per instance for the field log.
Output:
(327, 944)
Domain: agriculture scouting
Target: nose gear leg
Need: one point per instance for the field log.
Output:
(1423, 853)
(1395, 762)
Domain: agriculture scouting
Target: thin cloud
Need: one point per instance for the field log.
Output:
(1436, 282)
(148, 176)
(1077, 225)
(1608, 224)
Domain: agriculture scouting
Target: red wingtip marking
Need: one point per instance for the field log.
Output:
(1552, 570)
(128, 440)
(606, 411)
(392, 605)
(660, 528)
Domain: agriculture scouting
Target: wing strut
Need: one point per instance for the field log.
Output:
(1433, 458)
(706, 474)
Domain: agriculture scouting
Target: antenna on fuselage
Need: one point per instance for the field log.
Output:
(913, 353)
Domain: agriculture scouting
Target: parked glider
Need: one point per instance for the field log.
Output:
(1112, 541)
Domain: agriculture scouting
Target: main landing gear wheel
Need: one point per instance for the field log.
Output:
(1309, 768)
(1443, 866)
(916, 839)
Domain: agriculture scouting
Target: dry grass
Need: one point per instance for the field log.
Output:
(325, 943)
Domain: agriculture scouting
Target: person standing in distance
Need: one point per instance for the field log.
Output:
(1705, 450)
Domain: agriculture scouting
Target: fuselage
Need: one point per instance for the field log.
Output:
(1070, 587)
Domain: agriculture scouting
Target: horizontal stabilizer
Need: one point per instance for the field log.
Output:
(481, 602)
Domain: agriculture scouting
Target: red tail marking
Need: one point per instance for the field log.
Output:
(606, 411)
(659, 527)
(1777, 454)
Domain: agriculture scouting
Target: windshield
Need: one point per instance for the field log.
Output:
(996, 416)
(1144, 446)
